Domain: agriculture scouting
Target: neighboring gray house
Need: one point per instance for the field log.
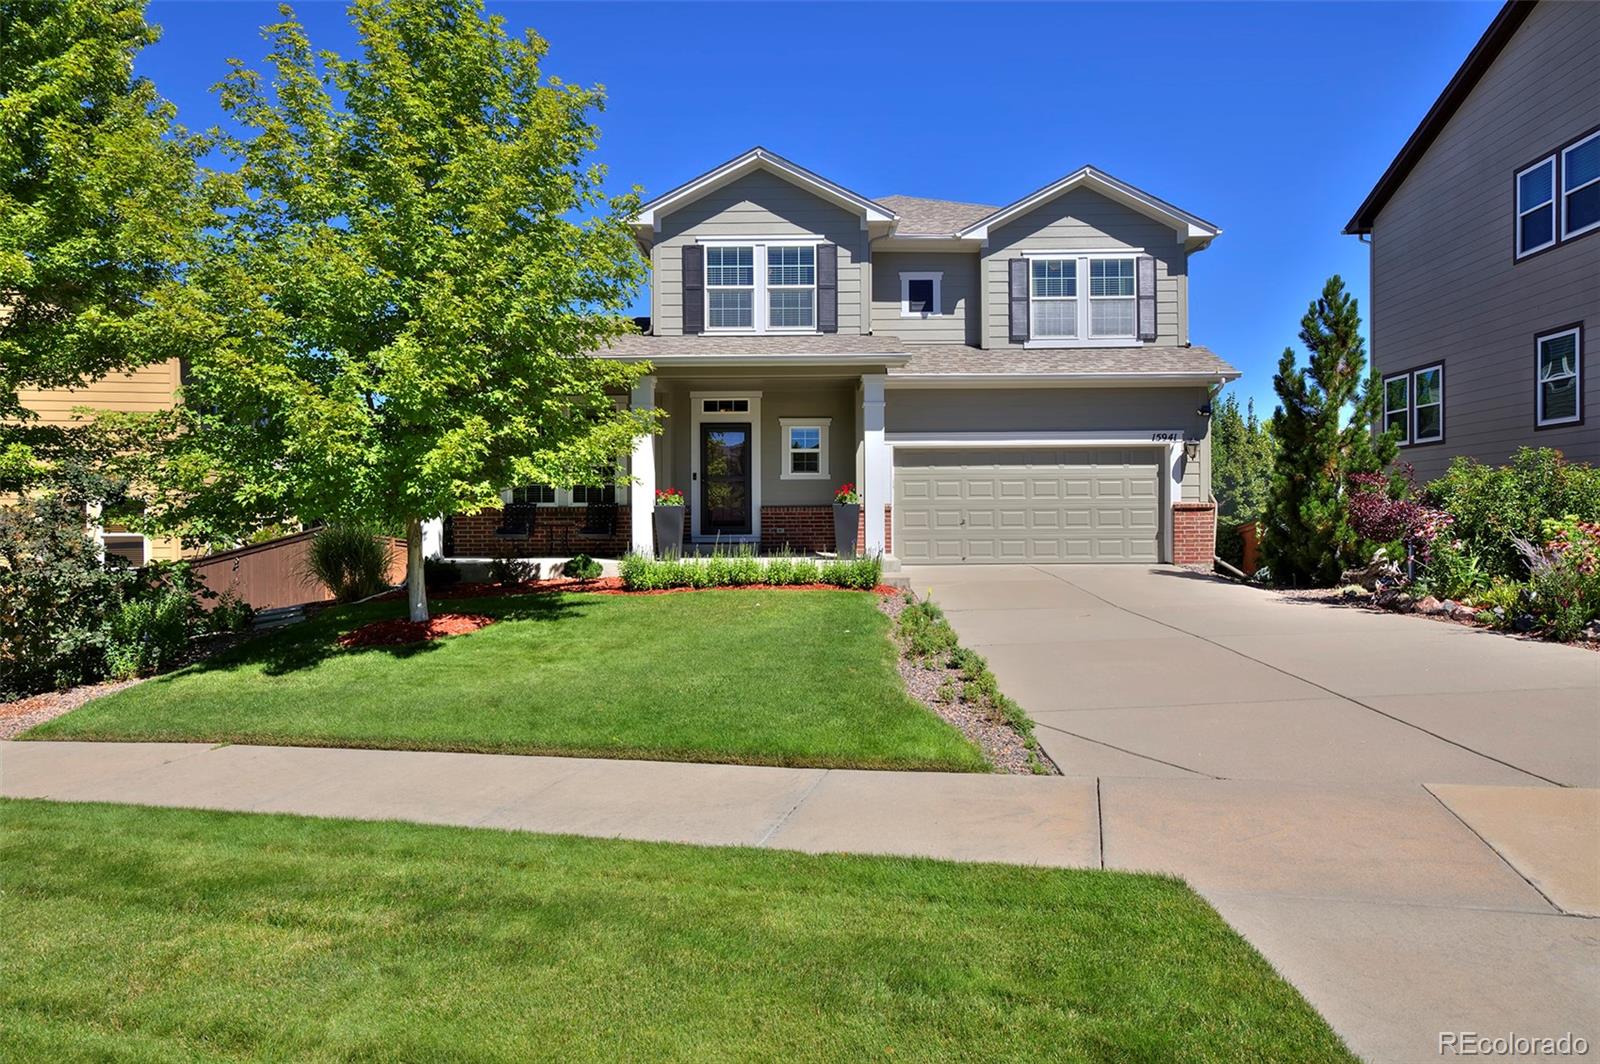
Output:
(1010, 383)
(1485, 234)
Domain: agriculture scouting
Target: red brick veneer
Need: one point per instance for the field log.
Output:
(1194, 533)
(557, 532)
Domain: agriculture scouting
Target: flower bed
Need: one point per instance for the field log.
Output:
(400, 632)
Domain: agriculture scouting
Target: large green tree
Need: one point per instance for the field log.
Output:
(1324, 428)
(1242, 454)
(415, 261)
(98, 212)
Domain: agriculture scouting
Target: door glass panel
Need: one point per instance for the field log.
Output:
(725, 478)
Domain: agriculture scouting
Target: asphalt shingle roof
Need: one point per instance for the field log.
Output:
(958, 359)
(944, 217)
(824, 344)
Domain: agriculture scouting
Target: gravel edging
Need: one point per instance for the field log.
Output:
(1002, 746)
(1336, 596)
(17, 717)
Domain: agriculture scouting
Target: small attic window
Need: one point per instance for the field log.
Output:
(920, 295)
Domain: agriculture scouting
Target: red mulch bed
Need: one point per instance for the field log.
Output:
(399, 632)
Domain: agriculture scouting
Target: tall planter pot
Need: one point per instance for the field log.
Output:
(669, 531)
(846, 528)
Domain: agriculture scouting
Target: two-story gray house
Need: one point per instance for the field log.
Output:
(1485, 250)
(1002, 383)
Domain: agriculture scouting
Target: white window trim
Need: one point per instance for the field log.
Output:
(1415, 436)
(757, 257)
(1567, 234)
(753, 416)
(1405, 436)
(905, 294)
(1577, 377)
(1554, 203)
(144, 543)
(760, 312)
(1084, 299)
(821, 424)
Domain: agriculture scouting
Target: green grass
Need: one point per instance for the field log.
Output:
(135, 933)
(753, 677)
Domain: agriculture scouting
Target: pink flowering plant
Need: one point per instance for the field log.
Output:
(669, 497)
(847, 495)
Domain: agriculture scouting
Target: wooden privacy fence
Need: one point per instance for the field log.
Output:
(272, 574)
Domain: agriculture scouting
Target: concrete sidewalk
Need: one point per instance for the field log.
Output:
(1396, 913)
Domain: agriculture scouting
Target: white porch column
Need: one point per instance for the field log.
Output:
(433, 538)
(642, 493)
(875, 492)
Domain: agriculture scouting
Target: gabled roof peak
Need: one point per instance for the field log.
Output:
(759, 158)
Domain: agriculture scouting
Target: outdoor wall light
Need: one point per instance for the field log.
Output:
(1205, 409)
(1191, 450)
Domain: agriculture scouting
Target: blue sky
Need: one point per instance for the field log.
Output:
(1271, 120)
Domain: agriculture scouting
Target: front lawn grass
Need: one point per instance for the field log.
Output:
(753, 677)
(137, 933)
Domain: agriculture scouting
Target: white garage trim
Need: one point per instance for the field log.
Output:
(1171, 440)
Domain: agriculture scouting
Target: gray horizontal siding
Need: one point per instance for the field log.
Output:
(958, 320)
(1082, 220)
(1076, 410)
(1445, 286)
(759, 204)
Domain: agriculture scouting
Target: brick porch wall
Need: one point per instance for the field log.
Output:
(1194, 533)
(556, 533)
(809, 528)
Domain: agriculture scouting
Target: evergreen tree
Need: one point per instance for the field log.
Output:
(1324, 428)
(1242, 450)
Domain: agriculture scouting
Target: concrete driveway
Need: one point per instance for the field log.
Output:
(1402, 815)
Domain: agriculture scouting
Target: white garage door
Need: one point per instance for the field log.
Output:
(1027, 505)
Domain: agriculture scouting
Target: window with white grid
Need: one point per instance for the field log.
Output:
(1053, 298)
(730, 286)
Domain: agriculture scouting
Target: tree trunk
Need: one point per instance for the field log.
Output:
(416, 586)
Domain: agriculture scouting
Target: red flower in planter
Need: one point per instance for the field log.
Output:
(669, 497)
(847, 495)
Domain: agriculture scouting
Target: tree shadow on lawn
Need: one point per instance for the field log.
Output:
(304, 646)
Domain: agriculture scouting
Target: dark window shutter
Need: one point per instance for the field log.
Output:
(827, 288)
(1147, 297)
(1019, 300)
(694, 289)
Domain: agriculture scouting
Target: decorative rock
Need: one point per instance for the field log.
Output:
(1380, 571)
(1591, 632)
(1524, 622)
(1392, 599)
(1430, 606)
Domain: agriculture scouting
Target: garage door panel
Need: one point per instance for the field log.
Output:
(1032, 504)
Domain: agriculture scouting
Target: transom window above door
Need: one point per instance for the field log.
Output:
(1058, 311)
(761, 287)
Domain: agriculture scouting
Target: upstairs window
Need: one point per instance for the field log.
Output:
(1112, 313)
(730, 287)
(1397, 405)
(1559, 400)
(791, 287)
(1053, 301)
(1580, 186)
(1536, 207)
(919, 294)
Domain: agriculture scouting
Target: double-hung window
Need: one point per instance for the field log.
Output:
(1058, 309)
(1559, 400)
(792, 287)
(534, 494)
(1413, 404)
(1053, 303)
(1536, 207)
(761, 287)
(1112, 312)
(730, 286)
(805, 448)
(1580, 186)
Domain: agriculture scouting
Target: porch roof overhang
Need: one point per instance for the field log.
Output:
(954, 366)
(730, 350)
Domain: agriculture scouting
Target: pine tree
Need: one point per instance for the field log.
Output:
(1324, 430)
(1242, 449)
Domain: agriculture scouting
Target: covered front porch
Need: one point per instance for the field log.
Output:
(757, 452)
(758, 456)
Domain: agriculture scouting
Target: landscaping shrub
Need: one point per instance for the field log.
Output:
(581, 567)
(1452, 571)
(230, 614)
(509, 572)
(1564, 577)
(743, 569)
(57, 597)
(438, 574)
(148, 634)
(349, 561)
(1492, 507)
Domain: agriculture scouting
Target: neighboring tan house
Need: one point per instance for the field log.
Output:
(1485, 234)
(148, 388)
(1004, 384)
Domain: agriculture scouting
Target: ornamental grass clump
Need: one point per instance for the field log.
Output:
(349, 561)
